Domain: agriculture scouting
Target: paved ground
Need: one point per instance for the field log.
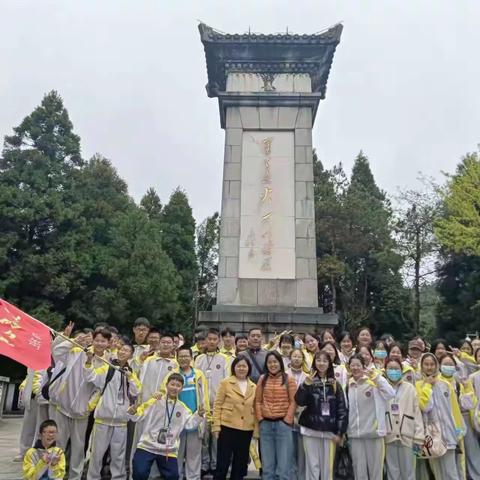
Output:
(9, 437)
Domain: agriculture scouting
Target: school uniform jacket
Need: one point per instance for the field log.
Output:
(34, 467)
(153, 413)
(215, 366)
(405, 422)
(117, 395)
(74, 392)
(154, 371)
(366, 418)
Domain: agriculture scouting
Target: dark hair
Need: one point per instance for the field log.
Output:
(398, 345)
(398, 362)
(342, 335)
(103, 332)
(357, 356)
(167, 334)
(380, 344)
(87, 330)
(254, 328)
(240, 337)
(369, 349)
(469, 343)
(286, 338)
(475, 353)
(336, 360)
(330, 371)
(436, 343)
(213, 331)
(279, 359)
(47, 423)
(112, 329)
(322, 333)
(185, 347)
(125, 339)
(360, 330)
(154, 330)
(141, 322)
(129, 344)
(444, 355)
(227, 331)
(200, 336)
(175, 376)
(201, 329)
(386, 336)
(236, 360)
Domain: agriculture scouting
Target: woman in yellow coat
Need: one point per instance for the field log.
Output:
(234, 420)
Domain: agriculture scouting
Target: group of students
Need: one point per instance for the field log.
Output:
(288, 406)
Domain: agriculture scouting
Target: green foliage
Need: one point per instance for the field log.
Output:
(152, 205)
(208, 235)
(459, 229)
(178, 241)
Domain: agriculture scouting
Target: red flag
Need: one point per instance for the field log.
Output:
(24, 339)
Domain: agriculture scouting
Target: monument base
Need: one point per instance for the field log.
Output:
(270, 319)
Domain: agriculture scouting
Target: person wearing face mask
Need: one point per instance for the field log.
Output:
(380, 354)
(323, 422)
(456, 377)
(368, 396)
(395, 352)
(275, 409)
(404, 425)
(438, 398)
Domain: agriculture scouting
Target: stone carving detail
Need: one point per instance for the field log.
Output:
(268, 79)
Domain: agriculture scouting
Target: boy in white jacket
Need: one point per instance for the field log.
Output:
(164, 418)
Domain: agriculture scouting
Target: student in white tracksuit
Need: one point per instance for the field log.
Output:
(368, 395)
(472, 439)
(195, 396)
(164, 418)
(438, 398)
(118, 389)
(74, 395)
(404, 425)
(297, 371)
(215, 366)
(28, 387)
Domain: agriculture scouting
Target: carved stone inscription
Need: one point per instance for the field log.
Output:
(267, 209)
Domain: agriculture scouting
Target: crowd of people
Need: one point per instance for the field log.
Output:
(293, 407)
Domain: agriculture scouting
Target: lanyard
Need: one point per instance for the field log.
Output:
(168, 414)
(212, 358)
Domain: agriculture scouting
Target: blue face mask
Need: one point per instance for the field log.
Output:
(381, 354)
(448, 370)
(394, 375)
(298, 344)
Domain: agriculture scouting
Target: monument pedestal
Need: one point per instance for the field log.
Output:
(268, 88)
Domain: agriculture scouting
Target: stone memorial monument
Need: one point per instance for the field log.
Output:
(268, 89)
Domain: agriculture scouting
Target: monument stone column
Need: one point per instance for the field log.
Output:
(268, 89)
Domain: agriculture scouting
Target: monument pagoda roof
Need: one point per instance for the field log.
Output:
(273, 53)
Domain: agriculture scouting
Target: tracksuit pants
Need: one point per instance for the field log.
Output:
(189, 457)
(28, 432)
(298, 466)
(233, 448)
(319, 458)
(104, 436)
(209, 450)
(143, 461)
(368, 457)
(400, 461)
(73, 429)
(472, 451)
(445, 467)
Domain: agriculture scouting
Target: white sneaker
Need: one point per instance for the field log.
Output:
(18, 459)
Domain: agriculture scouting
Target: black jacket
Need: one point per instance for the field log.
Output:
(312, 396)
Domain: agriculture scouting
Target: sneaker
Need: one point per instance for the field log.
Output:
(18, 459)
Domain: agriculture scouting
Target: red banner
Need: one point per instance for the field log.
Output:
(24, 339)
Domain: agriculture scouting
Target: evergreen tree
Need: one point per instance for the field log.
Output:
(151, 204)
(40, 231)
(178, 241)
(207, 247)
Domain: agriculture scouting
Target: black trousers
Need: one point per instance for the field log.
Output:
(233, 443)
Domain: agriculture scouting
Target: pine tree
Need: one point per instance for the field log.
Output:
(40, 231)
(178, 241)
(152, 205)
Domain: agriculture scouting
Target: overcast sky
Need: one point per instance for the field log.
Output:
(404, 85)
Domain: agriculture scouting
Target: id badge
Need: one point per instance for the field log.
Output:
(325, 409)
(395, 409)
(208, 372)
(162, 436)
